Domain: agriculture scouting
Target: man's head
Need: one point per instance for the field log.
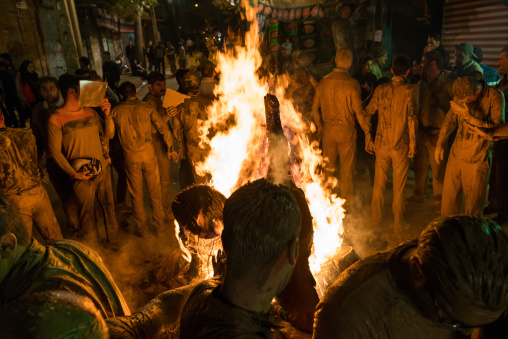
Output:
(84, 62)
(6, 58)
(207, 69)
(69, 86)
(48, 87)
(127, 90)
(463, 53)
(156, 84)
(380, 57)
(502, 63)
(106, 56)
(401, 65)
(434, 41)
(14, 236)
(432, 61)
(466, 89)
(344, 58)
(365, 65)
(261, 227)
(478, 52)
(463, 263)
(190, 83)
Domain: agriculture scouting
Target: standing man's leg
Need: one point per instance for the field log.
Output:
(400, 164)
(438, 170)
(134, 172)
(452, 188)
(330, 151)
(382, 171)
(107, 200)
(84, 192)
(475, 178)
(44, 218)
(347, 156)
(153, 185)
(164, 166)
(421, 163)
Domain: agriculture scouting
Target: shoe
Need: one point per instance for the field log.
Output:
(417, 199)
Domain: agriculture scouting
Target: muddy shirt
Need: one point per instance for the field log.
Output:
(39, 125)
(72, 137)
(156, 103)
(18, 161)
(191, 113)
(338, 96)
(397, 125)
(433, 102)
(68, 266)
(207, 86)
(209, 315)
(365, 302)
(133, 121)
(469, 146)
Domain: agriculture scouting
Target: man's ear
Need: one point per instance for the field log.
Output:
(293, 251)
(149, 87)
(8, 243)
(416, 270)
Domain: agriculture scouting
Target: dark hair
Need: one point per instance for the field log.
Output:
(466, 256)
(6, 56)
(107, 53)
(362, 63)
(179, 75)
(260, 218)
(153, 77)
(85, 61)
(11, 222)
(401, 64)
(207, 69)
(66, 82)
(504, 50)
(24, 65)
(127, 90)
(48, 80)
(436, 36)
(436, 57)
(464, 87)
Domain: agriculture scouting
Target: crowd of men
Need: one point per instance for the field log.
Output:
(451, 282)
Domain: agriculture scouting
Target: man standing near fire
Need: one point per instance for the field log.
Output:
(395, 138)
(157, 89)
(338, 97)
(468, 167)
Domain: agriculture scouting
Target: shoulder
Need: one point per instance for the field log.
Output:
(79, 249)
(55, 118)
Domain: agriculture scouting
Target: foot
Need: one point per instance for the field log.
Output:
(417, 199)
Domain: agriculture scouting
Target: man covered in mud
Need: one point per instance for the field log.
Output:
(433, 95)
(338, 97)
(133, 121)
(157, 89)
(187, 124)
(20, 182)
(27, 267)
(40, 116)
(260, 238)
(468, 166)
(74, 139)
(450, 280)
(395, 138)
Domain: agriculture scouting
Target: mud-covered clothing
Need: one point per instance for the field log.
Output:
(396, 134)
(64, 265)
(367, 302)
(467, 69)
(39, 125)
(191, 113)
(73, 136)
(206, 86)
(468, 167)
(161, 152)
(338, 96)
(432, 104)
(207, 314)
(21, 183)
(134, 121)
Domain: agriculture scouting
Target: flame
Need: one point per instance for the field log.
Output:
(239, 154)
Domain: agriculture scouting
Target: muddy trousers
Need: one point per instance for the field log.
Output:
(399, 161)
(472, 179)
(34, 208)
(425, 152)
(337, 142)
(63, 187)
(85, 192)
(148, 170)
(164, 166)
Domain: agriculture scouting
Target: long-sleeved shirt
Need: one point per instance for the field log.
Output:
(338, 96)
(18, 161)
(134, 120)
(39, 125)
(397, 124)
(190, 112)
(433, 102)
(73, 136)
(469, 146)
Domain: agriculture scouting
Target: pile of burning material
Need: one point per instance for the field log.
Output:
(198, 214)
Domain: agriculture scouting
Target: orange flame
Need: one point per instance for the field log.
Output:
(239, 154)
